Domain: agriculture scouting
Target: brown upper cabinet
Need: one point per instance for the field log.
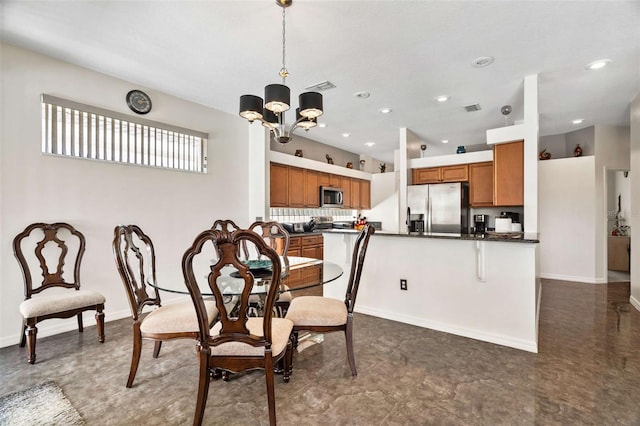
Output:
(455, 173)
(508, 174)
(311, 189)
(345, 185)
(295, 187)
(279, 187)
(365, 194)
(481, 184)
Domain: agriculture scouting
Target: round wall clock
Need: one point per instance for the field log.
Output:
(139, 102)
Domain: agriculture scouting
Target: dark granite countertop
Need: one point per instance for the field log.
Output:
(492, 236)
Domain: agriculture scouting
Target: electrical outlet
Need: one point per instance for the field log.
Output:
(403, 284)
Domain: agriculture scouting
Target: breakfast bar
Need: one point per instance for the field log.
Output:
(482, 287)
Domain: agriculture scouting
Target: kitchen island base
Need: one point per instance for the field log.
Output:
(487, 290)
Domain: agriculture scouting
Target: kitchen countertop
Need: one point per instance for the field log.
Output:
(507, 238)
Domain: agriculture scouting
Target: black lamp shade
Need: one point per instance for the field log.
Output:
(304, 122)
(310, 104)
(251, 107)
(277, 97)
(270, 119)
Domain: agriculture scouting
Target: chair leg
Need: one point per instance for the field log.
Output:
(348, 334)
(80, 326)
(271, 396)
(23, 335)
(203, 386)
(100, 324)
(156, 348)
(288, 360)
(135, 356)
(31, 332)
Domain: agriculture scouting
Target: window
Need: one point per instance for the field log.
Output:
(73, 129)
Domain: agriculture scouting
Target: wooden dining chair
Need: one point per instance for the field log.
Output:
(136, 262)
(323, 314)
(61, 245)
(237, 342)
(276, 237)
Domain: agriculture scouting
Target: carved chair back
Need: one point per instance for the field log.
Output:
(227, 226)
(357, 262)
(136, 261)
(226, 251)
(61, 245)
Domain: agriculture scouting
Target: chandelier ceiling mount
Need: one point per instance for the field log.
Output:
(270, 111)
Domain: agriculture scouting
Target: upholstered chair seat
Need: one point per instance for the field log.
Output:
(176, 318)
(281, 331)
(47, 304)
(317, 311)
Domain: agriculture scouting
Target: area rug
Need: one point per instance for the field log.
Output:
(44, 404)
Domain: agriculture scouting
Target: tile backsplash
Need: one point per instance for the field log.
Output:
(286, 214)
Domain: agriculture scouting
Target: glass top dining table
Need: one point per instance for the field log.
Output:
(322, 271)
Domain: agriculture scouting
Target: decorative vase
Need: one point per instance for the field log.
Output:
(578, 151)
(461, 150)
(298, 153)
(349, 165)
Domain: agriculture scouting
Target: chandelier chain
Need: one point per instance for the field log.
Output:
(284, 73)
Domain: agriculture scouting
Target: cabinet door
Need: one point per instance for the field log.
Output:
(457, 173)
(345, 185)
(335, 180)
(323, 179)
(279, 185)
(311, 188)
(481, 184)
(508, 174)
(296, 187)
(365, 194)
(427, 175)
(355, 193)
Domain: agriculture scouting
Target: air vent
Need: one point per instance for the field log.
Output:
(324, 85)
(474, 107)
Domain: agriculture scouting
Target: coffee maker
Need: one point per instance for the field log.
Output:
(480, 223)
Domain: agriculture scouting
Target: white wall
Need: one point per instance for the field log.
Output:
(384, 201)
(567, 204)
(635, 202)
(172, 207)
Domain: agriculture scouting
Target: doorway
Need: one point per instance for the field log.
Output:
(618, 241)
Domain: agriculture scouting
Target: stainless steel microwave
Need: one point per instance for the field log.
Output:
(331, 197)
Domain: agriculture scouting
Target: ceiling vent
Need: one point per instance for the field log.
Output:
(471, 108)
(324, 85)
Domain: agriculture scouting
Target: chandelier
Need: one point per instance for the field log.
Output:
(277, 101)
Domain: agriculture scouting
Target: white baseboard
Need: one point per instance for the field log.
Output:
(525, 345)
(635, 303)
(588, 280)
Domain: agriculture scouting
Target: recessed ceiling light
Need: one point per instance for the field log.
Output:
(346, 135)
(322, 124)
(578, 121)
(362, 95)
(385, 110)
(369, 143)
(445, 141)
(441, 98)
(482, 61)
(596, 65)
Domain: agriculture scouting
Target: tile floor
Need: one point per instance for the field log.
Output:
(587, 372)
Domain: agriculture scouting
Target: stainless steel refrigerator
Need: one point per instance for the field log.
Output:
(438, 208)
